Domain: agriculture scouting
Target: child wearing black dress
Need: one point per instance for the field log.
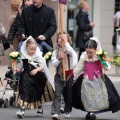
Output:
(33, 81)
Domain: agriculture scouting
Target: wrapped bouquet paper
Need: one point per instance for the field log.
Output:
(102, 56)
(14, 58)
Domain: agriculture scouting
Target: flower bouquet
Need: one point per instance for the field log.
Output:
(115, 60)
(47, 55)
(14, 58)
(102, 56)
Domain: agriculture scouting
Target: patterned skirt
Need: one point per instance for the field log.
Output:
(47, 96)
(98, 96)
(33, 90)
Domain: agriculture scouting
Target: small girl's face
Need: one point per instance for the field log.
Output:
(28, 2)
(90, 52)
(31, 49)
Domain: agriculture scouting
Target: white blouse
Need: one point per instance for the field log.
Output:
(69, 50)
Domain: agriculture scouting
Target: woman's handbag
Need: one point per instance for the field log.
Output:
(5, 43)
(2, 30)
(87, 35)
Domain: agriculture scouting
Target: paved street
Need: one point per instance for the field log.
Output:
(9, 113)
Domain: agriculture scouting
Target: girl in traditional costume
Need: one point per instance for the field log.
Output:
(34, 87)
(93, 91)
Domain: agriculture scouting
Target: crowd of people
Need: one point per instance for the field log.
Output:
(85, 87)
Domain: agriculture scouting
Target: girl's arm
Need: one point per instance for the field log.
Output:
(78, 69)
(55, 61)
(69, 49)
(38, 69)
(41, 62)
(72, 53)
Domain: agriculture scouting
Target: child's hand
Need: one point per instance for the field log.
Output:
(103, 66)
(33, 72)
(64, 37)
(62, 56)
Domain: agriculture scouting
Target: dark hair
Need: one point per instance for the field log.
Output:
(91, 44)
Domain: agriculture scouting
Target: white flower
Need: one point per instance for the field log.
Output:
(100, 52)
(105, 53)
(14, 54)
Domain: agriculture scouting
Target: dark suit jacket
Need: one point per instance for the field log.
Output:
(38, 21)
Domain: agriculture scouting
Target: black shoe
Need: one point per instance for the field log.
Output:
(88, 115)
(92, 116)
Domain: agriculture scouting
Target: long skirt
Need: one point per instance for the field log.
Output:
(33, 90)
(112, 96)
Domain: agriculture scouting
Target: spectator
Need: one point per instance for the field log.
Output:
(41, 24)
(3, 42)
(115, 44)
(84, 24)
(16, 6)
(117, 20)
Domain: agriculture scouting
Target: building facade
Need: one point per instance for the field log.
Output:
(101, 12)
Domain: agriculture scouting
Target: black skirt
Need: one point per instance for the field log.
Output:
(31, 87)
(113, 96)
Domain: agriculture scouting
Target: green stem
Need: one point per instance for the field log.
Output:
(14, 78)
